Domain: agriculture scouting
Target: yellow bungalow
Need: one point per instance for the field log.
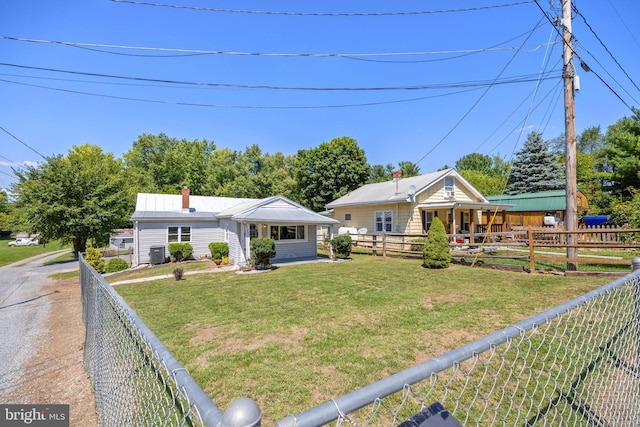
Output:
(409, 205)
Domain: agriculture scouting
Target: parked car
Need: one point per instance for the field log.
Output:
(24, 241)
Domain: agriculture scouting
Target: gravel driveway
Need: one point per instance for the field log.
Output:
(42, 338)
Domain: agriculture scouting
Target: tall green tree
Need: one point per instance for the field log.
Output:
(251, 174)
(380, 173)
(330, 171)
(487, 174)
(535, 168)
(475, 162)
(158, 163)
(76, 197)
(622, 154)
(409, 169)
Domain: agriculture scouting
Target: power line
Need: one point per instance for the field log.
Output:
(192, 52)
(470, 83)
(605, 47)
(554, 24)
(191, 104)
(22, 142)
(475, 104)
(324, 14)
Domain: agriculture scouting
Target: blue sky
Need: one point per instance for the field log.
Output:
(423, 81)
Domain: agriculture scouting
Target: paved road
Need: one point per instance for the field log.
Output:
(24, 309)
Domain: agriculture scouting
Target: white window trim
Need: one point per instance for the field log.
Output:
(383, 216)
(288, 241)
(180, 227)
(449, 190)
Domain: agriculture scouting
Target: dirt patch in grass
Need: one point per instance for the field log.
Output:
(226, 344)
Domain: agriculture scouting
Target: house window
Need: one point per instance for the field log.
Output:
(347, 216)
(464, 221)
(449, 187)
(427, 219)
(178, 234)
(287, 232)
(253, 231)
(384, 221)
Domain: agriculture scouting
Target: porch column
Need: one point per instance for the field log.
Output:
(330, 239)
(472, 225)
(247, 242)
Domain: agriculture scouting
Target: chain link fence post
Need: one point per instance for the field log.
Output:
(242, 412)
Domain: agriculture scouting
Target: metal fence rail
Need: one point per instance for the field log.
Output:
(137, 382)
(574, 365)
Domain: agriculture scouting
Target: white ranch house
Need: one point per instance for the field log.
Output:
(160, 219)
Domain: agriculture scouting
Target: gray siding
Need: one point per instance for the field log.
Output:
(155, 234)
(202, 233)
(286, 251)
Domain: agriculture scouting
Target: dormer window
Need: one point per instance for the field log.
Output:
(449, 187)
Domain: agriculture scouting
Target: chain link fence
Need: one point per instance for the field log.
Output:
(574, 365)
(137, 382)
(577, 364)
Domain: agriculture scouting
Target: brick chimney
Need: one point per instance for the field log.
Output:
(185, 199)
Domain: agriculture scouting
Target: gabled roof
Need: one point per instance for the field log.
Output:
(276, 209)
(552, 200)
(158, 207)
(385, 192)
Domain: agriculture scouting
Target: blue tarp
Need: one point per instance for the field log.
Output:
(595, 219)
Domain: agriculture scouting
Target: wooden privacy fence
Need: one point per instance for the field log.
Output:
(522, 238)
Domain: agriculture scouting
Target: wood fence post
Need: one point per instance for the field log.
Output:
(384, 243)
(532, 263)
(374, 245)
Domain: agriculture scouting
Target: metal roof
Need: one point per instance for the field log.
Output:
(386, 192)
(552, 200)
(277, 209)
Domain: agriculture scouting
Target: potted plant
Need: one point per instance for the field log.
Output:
(219, 250)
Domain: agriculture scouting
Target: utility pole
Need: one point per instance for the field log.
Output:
(568, 73)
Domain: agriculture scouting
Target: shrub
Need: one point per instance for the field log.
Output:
(436, 252)
(178, 273)
(180, 251)
(116, 264)
(93, 258)
(417, 244)
(341, 246)
(219, 250)
(262, 250)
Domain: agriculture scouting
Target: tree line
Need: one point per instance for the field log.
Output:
(87, 193)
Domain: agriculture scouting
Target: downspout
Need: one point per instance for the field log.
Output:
(397, 217)
(137, 240)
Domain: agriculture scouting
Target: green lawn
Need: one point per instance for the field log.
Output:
(299, 335)
(9, 255)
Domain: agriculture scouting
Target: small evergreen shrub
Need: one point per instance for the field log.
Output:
(178, 273)
(116, 264)
(219, 250)
(262, 250)
(94, 259)
(180, 251)
(341, 246)
(436, 252)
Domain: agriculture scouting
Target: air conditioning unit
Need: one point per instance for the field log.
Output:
(449, 193)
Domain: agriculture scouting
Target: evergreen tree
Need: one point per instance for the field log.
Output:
(535, 168)
(436, 253)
